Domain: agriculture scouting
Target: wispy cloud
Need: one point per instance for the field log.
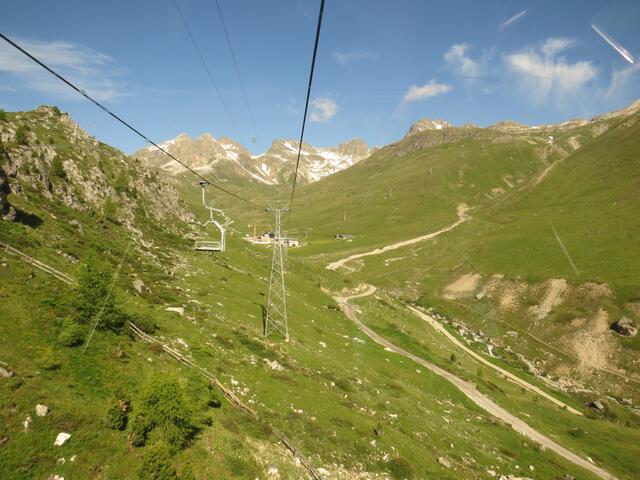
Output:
(459, 62)
(615, 45)
(504, 25)
(346, 58)
(91, 70)
(324, 109)
(546, 74)
(419, 93)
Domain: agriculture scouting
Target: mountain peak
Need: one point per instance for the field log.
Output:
(427, 124)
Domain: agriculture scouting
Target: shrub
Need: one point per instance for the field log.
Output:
(118, 413)
(22, 135)
(167, 412)
(3, 115)
(140, 428)
(156, 463)
(57, 169)
(401, 469)
(110, 210)
(71, 334)
(92, 295)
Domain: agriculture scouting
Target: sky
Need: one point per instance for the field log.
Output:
(382, 65)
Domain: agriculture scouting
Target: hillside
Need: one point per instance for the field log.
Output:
(349, 407)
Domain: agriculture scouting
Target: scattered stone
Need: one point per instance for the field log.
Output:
(444, 462)
(627, 401)
(568, 477)
(26, 422)
(61, 439)
(73, 458)
(597, 404)
(323, 345)
(41, 410)
(61, 461)
(6, 372)
(139, 286)
(274, 365)
(3, 440)
(76, 223)
(625, 327)
(55, 477)
(323, 472)
(178, 310)
(272, 471)
(491, 473)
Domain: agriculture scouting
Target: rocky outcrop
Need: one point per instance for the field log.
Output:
(6, 210)
(625, 327)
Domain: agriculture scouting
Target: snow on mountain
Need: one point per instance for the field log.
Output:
(228, 158)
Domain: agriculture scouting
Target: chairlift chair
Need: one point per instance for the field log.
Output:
(209, 245)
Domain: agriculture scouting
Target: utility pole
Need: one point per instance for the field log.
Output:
(276, 319)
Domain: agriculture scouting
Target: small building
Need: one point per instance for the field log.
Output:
(343, 236)
(291, 242)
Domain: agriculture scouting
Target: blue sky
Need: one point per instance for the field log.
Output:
(382, 64)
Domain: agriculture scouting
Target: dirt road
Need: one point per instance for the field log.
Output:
(469, 390)
(462, 217)
(510, 376)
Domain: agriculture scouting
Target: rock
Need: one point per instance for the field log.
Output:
(55, 477)
(61, 439)
(491, 473)
(272, 471)
(139, 286)
(444, 462)
(627, 401)
(6, 372)
(625, 327)
(323, 472)
(597, 404)
(178, 310)
(26, 422)
(274, 365)
(3, 440)
(41, 410)
(76, 223)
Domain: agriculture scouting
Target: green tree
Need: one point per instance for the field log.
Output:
(22, 135)
(57, 169)
(156, 463)
(166, 413)
(93, 295)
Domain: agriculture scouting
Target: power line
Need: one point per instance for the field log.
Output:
(134, 130)
(206, 67)
(306, 105)
(235, 64)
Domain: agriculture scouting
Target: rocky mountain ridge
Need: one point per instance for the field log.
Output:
(228, 158)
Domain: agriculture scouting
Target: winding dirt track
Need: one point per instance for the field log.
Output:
(469, 390)
(462, 217)
(505, 373)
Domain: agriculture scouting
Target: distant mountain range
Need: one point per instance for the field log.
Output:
(228, 158)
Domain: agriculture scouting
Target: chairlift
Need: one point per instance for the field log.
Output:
(209, 245)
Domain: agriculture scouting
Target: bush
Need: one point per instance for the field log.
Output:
(92, 295)
(156, 463)
(118, 413)
(3, 115)
(166, 413)
(400, 469)
(71, 334)
(22, 135)
(140, 428)
(110, 210)
(57, 169)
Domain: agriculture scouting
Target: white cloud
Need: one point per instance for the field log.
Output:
(457, 59)
(345, 58)
(544, 74)
(624, 83)
(431, 89)
(513, 19)
(325, 108)
(555, 45)
(89, 69)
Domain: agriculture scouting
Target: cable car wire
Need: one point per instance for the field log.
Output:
(123, 122)
(306, 105)
(235, 64)
(209, 74)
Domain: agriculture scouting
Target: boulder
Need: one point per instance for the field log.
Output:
(625, 327)
(178, 310)
(41, 410)
(62, 438)
(444, 462)
(6, 372)
(597, 404)
(139, 286)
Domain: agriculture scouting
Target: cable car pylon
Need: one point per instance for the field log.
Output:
(276, 317)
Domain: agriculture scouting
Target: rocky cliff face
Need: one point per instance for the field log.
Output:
(46, 153)
(228, 159)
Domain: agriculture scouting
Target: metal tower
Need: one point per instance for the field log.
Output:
(276, 319)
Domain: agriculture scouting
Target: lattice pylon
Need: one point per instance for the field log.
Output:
(276, 318)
